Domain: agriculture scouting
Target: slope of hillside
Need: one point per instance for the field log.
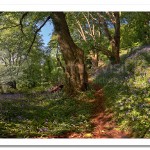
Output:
(127, 91)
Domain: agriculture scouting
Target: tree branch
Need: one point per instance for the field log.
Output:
(112, 17)
(33, 40)
(103, 50)
(89, 26)
(103, 22)
(21, 20)
(36, 32)
(81, 30)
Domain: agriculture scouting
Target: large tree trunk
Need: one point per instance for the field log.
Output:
(116, 40)
(76, 75)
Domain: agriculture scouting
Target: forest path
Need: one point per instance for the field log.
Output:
(103, 121)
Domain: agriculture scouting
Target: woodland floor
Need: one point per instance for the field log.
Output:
(102, 119)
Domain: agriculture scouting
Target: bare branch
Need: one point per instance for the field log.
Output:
(33, 40)
(90, 29)
(94, 20)
(81, 30)
(21, 20)
(93, 17)
(112, 17)
(36, 32)
(103, 22)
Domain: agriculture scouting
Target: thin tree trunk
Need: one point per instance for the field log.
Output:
(117, 37)
(59, 61)
(94, 58)
(76, 75)
(113, 39)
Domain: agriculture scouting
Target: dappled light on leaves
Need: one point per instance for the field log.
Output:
(92, 79)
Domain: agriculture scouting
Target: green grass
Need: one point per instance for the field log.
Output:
(127, 91)
(43, 116)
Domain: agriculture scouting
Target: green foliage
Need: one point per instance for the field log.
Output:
(135, 29)
(87, 32)
(90, 94)
(43, 116)
(15, 59)
(126, 88)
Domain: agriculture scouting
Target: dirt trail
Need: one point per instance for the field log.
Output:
(102, 120)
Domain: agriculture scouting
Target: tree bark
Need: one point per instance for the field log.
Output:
(117, 38)
(113, 39)
(94, 58)
(75, 71)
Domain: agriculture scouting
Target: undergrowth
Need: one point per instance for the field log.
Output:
(43, 116)
(127, 92)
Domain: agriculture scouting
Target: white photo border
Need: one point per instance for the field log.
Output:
(78, 5)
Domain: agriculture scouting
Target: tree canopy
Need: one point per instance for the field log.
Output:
(79, 40)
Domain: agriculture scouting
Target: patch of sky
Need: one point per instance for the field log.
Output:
(46, 32)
